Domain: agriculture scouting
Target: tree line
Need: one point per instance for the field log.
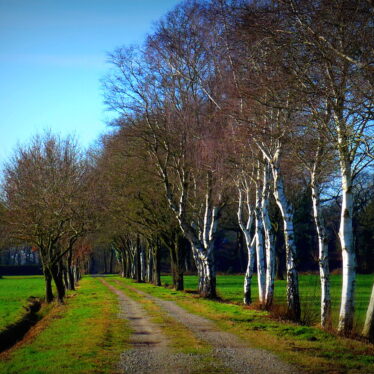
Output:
(225, 114)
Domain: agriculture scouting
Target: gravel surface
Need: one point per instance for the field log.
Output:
(228, 348)
(150, 352)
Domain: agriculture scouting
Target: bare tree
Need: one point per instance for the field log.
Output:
(161, 86)
(43, 185)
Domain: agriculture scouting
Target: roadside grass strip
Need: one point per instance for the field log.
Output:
(230, 288)
(14, 292)
(85, 335)
(309, 348)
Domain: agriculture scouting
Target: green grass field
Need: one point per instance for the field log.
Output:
(14, 292)
(230, 287)
(83, 336)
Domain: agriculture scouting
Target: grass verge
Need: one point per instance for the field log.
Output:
(85, 335)
(230, 288)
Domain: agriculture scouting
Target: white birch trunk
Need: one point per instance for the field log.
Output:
(260, 256)
(205, 271)
(293, 298)
(250, 267)
(201, 239)
(250, 244)
(269, 240)
(323, 251)
(368, 330)
(203, 249)
(348, 253)
(286, 209)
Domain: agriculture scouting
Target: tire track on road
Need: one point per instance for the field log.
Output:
(228, 348)
(150, 352)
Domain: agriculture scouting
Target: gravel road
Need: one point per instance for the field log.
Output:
(150, 352)
(235, 354)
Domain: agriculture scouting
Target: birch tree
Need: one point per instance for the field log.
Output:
(246, 226)
(338, 38)
(270, 116)
(269, 238)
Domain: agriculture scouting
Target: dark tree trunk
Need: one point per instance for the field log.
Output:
(65, 278)
(179, 282)
(48, 285)
(71, 284)
(138, 269)
(105, 263)
(178, 258)
(128, 264)
(111, 261)
(58, 279)
(71, 279)
(156, 274)
(240, 248)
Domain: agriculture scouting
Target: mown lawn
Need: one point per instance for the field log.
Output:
(309, 348)
(14, 291)
(85, 335)
(230, 287)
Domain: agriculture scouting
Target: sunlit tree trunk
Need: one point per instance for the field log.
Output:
(202, 241)
(322, 248)
(269, 239)
(259, 232)
(368, 330)
(286, 208)
(206, 253)
(206, 272)
(348, 253)
(250, 244)
(251, 248)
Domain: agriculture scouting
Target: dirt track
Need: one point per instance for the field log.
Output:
(150, 351)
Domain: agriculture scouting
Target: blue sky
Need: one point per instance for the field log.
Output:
(52, 56)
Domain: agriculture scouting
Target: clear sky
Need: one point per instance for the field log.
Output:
(52, 56)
